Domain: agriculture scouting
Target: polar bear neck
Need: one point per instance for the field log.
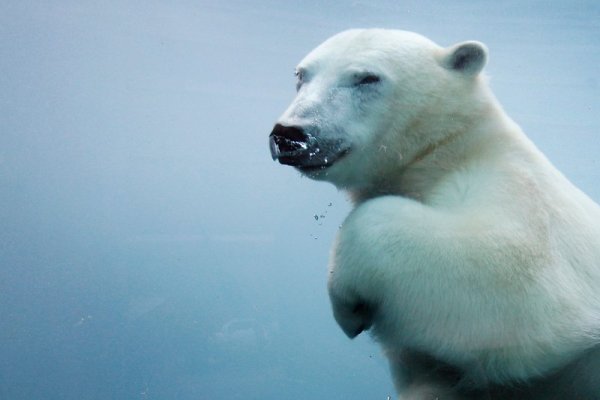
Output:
(478, 139)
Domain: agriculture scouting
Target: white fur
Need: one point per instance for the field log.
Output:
(465, 243)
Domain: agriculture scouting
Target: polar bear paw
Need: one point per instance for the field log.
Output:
(353, 314)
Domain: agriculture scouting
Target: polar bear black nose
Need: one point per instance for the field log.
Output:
(288, 144)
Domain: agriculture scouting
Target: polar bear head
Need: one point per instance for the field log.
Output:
(369, 102)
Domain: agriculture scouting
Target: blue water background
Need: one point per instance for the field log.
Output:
(150, 248)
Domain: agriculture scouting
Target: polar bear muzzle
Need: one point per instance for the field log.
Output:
(294, 146)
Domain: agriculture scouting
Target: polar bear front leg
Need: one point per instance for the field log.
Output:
(388, 249)
(362, 258)
(384, 252)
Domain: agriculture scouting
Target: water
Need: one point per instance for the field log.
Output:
(150, 249)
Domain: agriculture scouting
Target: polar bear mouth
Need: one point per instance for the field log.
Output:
(327, 162)
(294, 147)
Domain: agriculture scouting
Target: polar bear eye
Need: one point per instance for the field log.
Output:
(299, 78)
(368, 79)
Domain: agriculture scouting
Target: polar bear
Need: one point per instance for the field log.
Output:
(471, 259)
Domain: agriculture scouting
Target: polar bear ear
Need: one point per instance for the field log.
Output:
(468, 58)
